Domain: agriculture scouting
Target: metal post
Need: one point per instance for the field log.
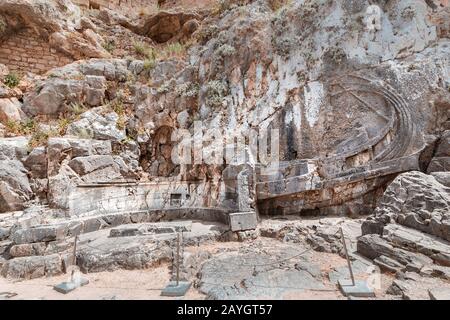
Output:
(346, 256)
(74, 261)
(178, 258)
(75, 250)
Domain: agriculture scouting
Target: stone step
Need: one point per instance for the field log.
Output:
(151, 228)
(61, 229)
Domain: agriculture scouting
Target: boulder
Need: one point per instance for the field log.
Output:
(60, 186)
(373, 246)
(32, 267)
(55, 95)
(38, 234)
(15, 188)
(111, 69)
(10, 110)
(415, 200)
(13, 148)
(99, 167)
(50, 97)
(61, 148)
(95, 125)
(36, 162)
(27, 249)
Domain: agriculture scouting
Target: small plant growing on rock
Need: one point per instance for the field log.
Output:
(77, 108)
(63, 124)
(149, 64)
(117, 106)
(109, 46)
(11, 80)
(188, 90)
(277, 5)
(175, 49)
(2, 25)
(139, 48)
(221, 6)
(165, 87)
(215, 91)
(31, 128)
(225, 50)
(39, 138)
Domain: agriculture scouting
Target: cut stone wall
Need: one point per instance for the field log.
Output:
(26, 52)
(124, 6)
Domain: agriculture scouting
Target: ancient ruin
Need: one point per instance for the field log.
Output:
(233, 144)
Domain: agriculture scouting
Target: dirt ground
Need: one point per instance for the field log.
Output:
(147, 284)
(116, 285)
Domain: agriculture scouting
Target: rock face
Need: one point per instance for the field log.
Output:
(417, 201)
(10, 110)
(441, 159)
(15, 188)
(409, 233)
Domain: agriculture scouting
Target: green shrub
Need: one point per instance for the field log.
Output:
(11, 80)
(109, 46)
(149, 64)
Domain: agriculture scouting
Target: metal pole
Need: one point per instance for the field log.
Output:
(348, 260)
(75, 250)
(74, 256)
(178, 258)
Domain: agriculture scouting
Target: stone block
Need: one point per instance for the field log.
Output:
(240, 221)
(439, 293)
(27, 249)
(32, 267)
(38, 234)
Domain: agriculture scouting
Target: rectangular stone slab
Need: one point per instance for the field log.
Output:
(240, 221)
(360, 289)
(66, 287)
(172, 290)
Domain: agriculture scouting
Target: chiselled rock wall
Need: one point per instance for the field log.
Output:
(357, 91)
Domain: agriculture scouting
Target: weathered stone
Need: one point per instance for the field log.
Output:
(149, 228)
(439, 164)
(10, 110)
(442, 177)
(373, 246)
(32, 267)
(4, 233)
(52, 96)
(243, 221)
(439, 294)
(414, 240)
(38, 234)
(13, 148)
(28, 249)
(4, 246)
(436, 271)
(415, 200)
(97, 126)
(15, 188)
(99, 168)
(388, 264)
(94, 90)
(112, 69)
(36, 162)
